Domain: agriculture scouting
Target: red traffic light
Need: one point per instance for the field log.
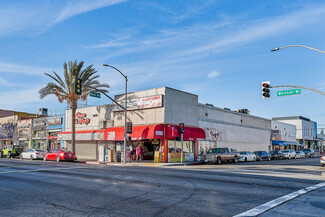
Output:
(265, 85)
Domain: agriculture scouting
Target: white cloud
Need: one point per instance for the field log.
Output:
(36, 17)
(4, 82)
(23, 69)
(214, 74)
(79, 7)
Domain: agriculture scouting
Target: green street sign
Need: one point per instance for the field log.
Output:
(93, 94)
(288, 92)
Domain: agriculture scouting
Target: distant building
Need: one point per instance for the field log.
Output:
(306, 130)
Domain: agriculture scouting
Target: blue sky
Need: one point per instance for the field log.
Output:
(217, 49)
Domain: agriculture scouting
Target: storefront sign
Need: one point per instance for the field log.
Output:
(176, 157)
(276, 135)
(54, 121)
(81, 118)
(140, 103)
(85, 136)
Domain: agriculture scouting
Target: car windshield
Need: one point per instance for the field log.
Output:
(306, 149)
(39, 150)
(274, 152)
(285, 151)
(243, 152)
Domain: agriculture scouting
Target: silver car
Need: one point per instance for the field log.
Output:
(32, 154)
(300, 154)
(289, 154)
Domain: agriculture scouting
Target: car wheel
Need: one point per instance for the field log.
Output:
(236, 160)
(8, 155)
(322, 165)
(0, 154)
(289, 157)
(58, 159)
(245, 159)
(269, 159)
(31, 157)
(44, 158)
(254, 159)
(219, 161)
(21, 156)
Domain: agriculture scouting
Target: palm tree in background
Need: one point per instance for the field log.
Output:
(64, 88)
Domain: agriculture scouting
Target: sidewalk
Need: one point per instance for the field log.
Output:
(137, 163)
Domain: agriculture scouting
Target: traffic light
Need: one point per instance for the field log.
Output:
(78, 86)
(181, 128)
(265, 89)
(129, 127)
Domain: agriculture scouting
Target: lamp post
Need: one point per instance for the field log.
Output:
(125, 107)
(311, 48)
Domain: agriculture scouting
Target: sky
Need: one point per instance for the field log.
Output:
(217, 49)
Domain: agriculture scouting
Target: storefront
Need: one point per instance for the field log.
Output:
(55, 125)
(39, 134)
(24, 133)
(161, 138)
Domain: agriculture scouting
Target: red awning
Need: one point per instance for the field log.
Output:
(139, 133)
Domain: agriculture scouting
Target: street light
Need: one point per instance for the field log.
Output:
(125, 107)
(311, 48)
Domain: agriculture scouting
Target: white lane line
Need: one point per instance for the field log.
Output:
(273, 203)
(37, 170)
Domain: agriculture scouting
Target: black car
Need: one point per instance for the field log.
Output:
(309, 152)
(262, 155)
(277, 155)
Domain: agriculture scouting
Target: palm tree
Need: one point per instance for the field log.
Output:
(64, 89)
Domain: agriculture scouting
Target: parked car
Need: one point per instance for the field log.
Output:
(11, 151)
(289, 154)
(32, 154)
(277, 155)
(60, 155)
(322, 160)
(219, 155)
(300, 154)
(262, 155)
(246, 156)
(309, 152)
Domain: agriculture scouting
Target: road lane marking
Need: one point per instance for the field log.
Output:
(279, 201)
(37, 170)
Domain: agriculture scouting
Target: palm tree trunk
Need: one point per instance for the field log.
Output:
(73, 131)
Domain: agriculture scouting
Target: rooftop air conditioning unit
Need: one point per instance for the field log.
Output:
(42, 112)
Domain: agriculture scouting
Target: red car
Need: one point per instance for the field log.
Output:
(59, 155)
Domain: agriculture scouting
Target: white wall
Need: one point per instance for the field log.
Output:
(288, 131)
(305, 129)
(235, 130)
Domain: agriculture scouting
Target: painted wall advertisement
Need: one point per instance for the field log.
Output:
(276, 135)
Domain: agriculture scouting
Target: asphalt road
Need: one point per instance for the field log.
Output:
(37, 188)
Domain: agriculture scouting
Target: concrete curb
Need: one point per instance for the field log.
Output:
(140, 164)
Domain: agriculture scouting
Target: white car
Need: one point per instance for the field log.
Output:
(322, 161)
(289, 154)
(300, 154)
(32, 154)
(247, 156)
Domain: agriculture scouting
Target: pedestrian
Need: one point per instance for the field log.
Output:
(138, 152)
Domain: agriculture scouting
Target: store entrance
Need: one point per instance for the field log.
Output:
(148, 148)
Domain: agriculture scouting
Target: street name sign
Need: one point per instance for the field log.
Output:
(93, 94)
(288, 92)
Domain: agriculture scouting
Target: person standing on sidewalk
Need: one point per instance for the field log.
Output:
(138, 152)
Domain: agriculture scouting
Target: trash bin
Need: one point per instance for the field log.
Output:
(118, 156)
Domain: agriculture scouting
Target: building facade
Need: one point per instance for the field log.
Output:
(155, 115)
(306, 130)
(234, 130)
(284, 136)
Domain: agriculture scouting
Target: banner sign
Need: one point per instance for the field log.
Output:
(140, 103)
